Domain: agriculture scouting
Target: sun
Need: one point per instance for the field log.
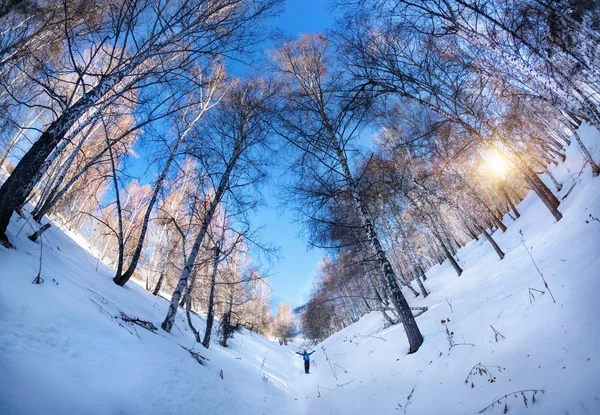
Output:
(496, 164)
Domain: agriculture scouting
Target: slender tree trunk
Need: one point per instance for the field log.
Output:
(121, 279)
(210, 313)
(587, 154)
(34, 237)
(415, 338)
(492, 242)
(19, 184)
(422, 287)
(188, 307)
(167, 324)
(121, 239)
(455, 265)
(539, 187)
(556, 183)
(509, 200)
(13, 142)
(160, 282)
(44, 204)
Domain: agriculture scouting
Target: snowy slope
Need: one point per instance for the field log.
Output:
(547, 346)
(62, 352)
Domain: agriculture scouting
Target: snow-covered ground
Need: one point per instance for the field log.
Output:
(63, 352)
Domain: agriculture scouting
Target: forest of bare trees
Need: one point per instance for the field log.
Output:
(470, 102)
(124, 121)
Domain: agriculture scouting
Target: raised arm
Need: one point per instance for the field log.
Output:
(301, 354)
(312, 352)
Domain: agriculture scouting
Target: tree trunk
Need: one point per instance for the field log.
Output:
(493, 242)
(120, 236)
(587, 154)
(34, 237)
(121, 279)
(188, 308)
(19, 184)
(556, 183)
(44, 204)
(159, 283)
(455, 265)
(509, 200)
(415, 338)
(167, 324)
(422, 287)
(16, 139)
(210, 315)
(539, 187)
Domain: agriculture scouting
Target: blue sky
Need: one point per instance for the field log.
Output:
(291, 276)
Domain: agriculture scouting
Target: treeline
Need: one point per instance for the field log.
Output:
(470, 102)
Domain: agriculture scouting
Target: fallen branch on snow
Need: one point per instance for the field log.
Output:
(197, 356)
(536, 267)
(142, 323)
(532, 296)
(102, 309)
(497, 334)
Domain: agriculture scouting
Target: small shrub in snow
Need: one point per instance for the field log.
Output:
(483, 371)
(227, 328)
(517, 394)
(450, 335)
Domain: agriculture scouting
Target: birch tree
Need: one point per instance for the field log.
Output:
(141, 42)
(232, 154)
(320, 119)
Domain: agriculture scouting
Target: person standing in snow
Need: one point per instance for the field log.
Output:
(306, 357)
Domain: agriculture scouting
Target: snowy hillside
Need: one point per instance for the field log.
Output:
(541, 345)
(64, 348)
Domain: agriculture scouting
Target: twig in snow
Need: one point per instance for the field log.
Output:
(592, 218)
(338, 386)
(536, 267)
(136, 333)
(497, 334)
(450, 336)
(175, 324)
(329, 361)
(461, 344)
(449, 304)
(38, 279)
(368, 335)
(532, 296)
(112, 317)
(197, 356)
(142, 323)
(105, 300)
(515, 394)
(341, 367)
(408, 399)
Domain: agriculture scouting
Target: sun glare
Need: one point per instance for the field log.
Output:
(496, 164)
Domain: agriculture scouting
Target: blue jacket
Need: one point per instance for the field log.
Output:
(306, 356)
